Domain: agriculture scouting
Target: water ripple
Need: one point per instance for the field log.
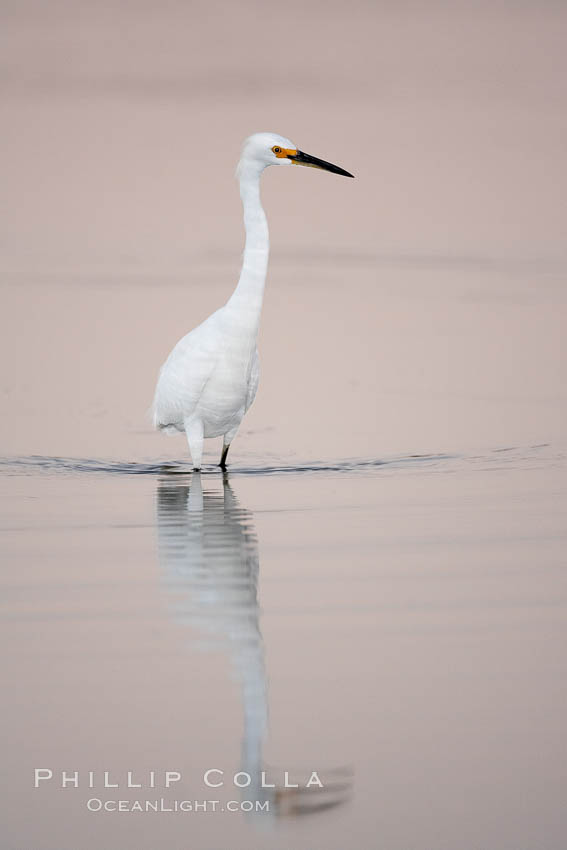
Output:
(498, 458)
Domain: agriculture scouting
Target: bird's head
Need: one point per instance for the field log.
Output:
(263, 149)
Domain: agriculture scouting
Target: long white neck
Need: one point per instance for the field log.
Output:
(246, 300)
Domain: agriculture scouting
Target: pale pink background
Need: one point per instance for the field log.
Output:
(414, 619)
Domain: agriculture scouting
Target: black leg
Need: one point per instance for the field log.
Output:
(222, 463)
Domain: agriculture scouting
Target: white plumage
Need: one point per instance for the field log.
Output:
(210, 378)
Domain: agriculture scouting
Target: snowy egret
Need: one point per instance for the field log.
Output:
(210, 378)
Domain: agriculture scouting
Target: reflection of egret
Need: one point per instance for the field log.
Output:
(210, 378)
(209, 554)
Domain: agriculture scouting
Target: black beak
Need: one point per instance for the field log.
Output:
(301, 158)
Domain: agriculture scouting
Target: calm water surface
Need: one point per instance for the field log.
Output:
(397, 628)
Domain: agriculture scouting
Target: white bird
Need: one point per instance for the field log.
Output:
(210, 378)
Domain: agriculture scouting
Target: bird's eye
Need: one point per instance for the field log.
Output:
(276, 149)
